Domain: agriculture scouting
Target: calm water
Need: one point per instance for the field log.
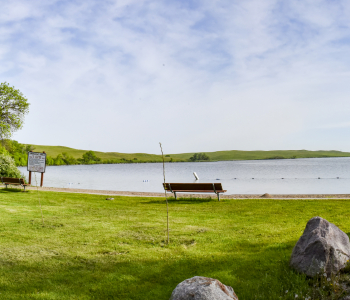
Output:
(300, 176)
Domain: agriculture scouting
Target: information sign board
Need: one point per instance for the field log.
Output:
(36, 162)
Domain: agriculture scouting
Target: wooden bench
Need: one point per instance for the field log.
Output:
(14, 181)
(194, 188)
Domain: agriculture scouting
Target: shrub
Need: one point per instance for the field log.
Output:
(89, 158)
(3, 150)
(58, 160)
(68, 160)
(199, 156)
(8, 167)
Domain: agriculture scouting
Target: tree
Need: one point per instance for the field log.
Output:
(89, 158)
(199, 156)
(68, 160)
(13, 107)
(8, 167)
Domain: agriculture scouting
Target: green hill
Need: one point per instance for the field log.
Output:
(214, 156)
(271, 154)
(76, 153)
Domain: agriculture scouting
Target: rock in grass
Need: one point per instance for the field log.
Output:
(203, 288)
(323, 248)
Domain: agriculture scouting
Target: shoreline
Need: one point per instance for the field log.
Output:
(188, 195)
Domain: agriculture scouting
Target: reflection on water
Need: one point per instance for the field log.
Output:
(286, 176)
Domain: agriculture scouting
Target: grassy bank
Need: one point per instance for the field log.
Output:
(91, 248)
(214, 156)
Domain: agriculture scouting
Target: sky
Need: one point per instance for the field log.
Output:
(208, 75)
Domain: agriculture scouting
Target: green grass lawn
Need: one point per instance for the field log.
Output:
(91, 248)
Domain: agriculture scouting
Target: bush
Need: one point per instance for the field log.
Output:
(89, 158)
(8, 167)
(199, 157)
(68, 160)
(3, 151)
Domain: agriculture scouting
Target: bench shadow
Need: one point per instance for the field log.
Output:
(11, 190)
(183, 201)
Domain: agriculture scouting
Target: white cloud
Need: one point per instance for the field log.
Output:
(123, 76)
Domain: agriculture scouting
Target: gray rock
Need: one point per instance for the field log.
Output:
(323, 248)
(203, 288)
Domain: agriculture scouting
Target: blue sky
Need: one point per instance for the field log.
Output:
(194, 75)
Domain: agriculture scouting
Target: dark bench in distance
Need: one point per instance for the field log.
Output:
(14, 181)
(194, 188)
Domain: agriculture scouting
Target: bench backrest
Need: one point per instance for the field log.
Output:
(12, 180)
(192, 186)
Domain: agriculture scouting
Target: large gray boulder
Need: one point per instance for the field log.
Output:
(203, 288)
(323, 248)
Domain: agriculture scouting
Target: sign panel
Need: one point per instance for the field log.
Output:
(36, 162)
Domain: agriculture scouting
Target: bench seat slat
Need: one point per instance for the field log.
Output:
(194, 188)
(197, 191)
(11, 183)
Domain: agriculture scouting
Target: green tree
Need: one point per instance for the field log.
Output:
(199, 156)
(13, 107)
(8, 167)
(68, 160)
(89, 158)
(16, 150)
(58, 160)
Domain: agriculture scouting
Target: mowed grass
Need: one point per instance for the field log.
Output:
(214, 156)
(92, 248)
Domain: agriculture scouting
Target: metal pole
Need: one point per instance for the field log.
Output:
(166, 198)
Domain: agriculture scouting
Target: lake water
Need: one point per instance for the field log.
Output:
(300, 176)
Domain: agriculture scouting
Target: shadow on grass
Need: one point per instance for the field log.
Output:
(264, 275)
(182, 201)
(11, 190)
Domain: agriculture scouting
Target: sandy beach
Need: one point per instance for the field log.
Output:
(188, 195)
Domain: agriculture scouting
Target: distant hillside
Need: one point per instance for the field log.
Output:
(76, 153)
(272, 154)
(53, 151)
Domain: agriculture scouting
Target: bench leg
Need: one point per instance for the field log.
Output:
(6, 186)
(175, 195)
(218, 196)
(24, 188)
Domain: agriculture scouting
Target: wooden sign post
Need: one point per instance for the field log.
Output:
(30, 172)
(36, 163)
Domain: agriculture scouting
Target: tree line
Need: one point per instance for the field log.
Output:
(19, 153)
